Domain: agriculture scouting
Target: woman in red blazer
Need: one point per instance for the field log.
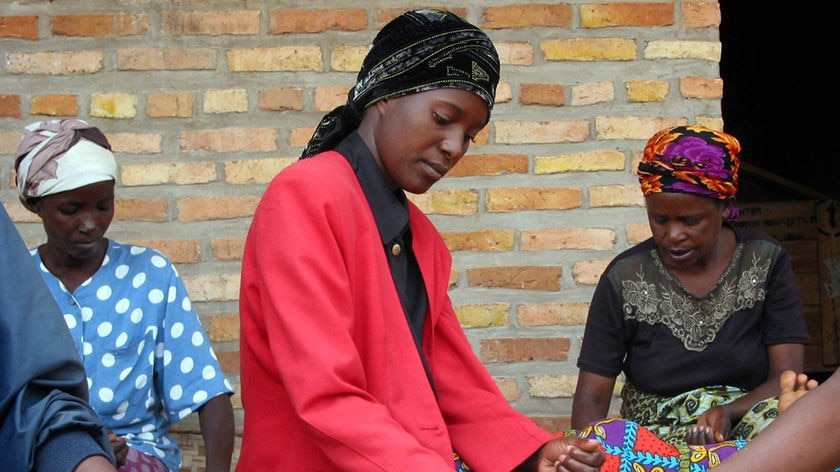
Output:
(352, 356)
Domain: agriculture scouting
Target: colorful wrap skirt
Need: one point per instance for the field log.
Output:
(668, 417)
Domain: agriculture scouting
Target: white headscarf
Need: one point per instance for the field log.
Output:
(60, 155)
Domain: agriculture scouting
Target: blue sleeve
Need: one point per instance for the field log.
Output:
(47, 423)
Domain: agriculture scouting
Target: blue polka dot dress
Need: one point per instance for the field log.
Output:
(148, 360)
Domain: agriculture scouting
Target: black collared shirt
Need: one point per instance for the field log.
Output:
(390, 210)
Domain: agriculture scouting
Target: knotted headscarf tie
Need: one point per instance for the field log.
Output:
(59, 155)
(417, 51)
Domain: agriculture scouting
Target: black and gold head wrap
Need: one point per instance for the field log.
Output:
(419, 50)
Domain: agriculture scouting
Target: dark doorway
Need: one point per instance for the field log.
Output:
(780, 98)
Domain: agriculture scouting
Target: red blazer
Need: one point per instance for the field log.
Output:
(331, 378)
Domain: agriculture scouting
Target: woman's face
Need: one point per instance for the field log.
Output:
(76, 220)
(686, 228)
(420, 136)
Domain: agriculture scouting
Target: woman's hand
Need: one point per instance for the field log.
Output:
(713, 426)
(120, 448)
(571, 454)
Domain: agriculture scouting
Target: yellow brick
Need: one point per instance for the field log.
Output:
(592, 93)
(255, 170)
(591, 161)
(633, 127)
(589, 272)
(281, 58)
(647, 90)
(637, 232)
(348, 58)
(589, 49)
(135, 143)
(226, 101)
(483, 315)
(552, 386)
(168, 172)
(485, 240)
(447, 202)
(207, 288)
(516, 54)
(550, 314)
(520, 132)
(167, 59)
(615, 195)
(55, 63)
(672, 49)
(113, 105)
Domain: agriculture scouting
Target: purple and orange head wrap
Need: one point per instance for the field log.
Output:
(691, 159)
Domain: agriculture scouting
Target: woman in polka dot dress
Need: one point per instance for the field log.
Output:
(148, 360)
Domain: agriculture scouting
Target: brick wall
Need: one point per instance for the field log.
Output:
(205, 101)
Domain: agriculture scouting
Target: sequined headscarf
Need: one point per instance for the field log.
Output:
(691, 159)
(417, 51)
(59, 155)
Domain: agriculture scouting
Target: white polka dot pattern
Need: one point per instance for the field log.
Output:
(148, 359)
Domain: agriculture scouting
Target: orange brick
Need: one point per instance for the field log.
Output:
(316, 21)
(227, 249)
(602, 15)
(486, 240)
(180, 251)
(54, 105)
(281, 99)
(223, 328)
(19, 27)
(701, 14)
(490, 164)
(215, 208)
(542, 94)
(230, 140)
(528, 16)
(212, 23)
(170, 105)
(701, 87)
(517, 277)
(548, 314)
(385, 15)
(99, 25)
(524, 349)
(228, 361)
(600, 239)
(10, 106)
(520, 199)
(138, 209)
